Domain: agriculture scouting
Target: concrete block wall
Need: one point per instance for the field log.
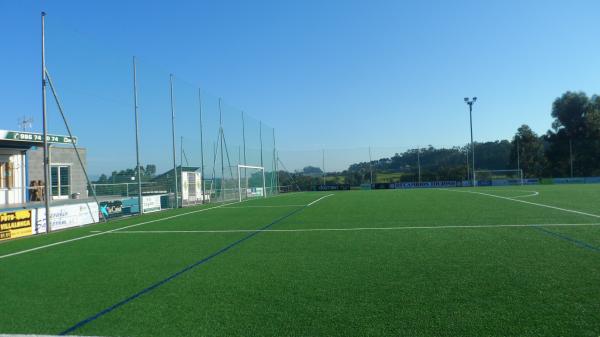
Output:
(62, 156)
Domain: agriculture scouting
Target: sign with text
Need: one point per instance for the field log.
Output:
(151, 203)
(33, 137)
(15, 224)
(67, 216)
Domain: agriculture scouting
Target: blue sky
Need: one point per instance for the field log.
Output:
(332, 74)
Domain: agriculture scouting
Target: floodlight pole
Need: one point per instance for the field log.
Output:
(467, 162)
(201, 146)
(137, 139)
(45, 127)
(470, 103)
(173, 140)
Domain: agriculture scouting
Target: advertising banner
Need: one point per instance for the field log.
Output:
(151, 203)
(254, 192)
(66, 216)
(332, 187)
(425, 184)
(15, 224)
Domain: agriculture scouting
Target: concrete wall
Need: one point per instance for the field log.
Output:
(60, 156)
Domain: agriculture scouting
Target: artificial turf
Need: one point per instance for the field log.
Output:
(455, 264)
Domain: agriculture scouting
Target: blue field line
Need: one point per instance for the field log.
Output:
(579, 243)
(177, 274)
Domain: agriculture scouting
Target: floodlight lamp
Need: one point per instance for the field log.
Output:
(466, 99)
(474, 99)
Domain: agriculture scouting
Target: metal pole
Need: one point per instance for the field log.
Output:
(274, 167)
(173, 140)
(323, 164)
(137, 139)
(472, 145)
(370, 167)
(467, 163)
(221, 139)
(571, 155)
(419, 162)
(64, 118)
(519, 159)
(202, 185)
(45, 127)
(181, 153)
(239, 184)
(244, 144)
(518, 155)
(264, 184)
(261, 143)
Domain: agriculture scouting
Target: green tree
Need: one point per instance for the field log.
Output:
(531, 156)
(576, 127)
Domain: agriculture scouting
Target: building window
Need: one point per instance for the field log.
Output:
(60, 177)
(6, 175)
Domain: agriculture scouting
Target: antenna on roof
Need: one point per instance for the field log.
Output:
(25, 123)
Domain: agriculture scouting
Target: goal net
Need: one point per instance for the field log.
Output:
(499, 177)
(251, 182)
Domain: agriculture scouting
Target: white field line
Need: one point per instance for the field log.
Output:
(16, 335)
(117, 229)
(321, 198)
(527, 202)
(109, 231)
(531, 193)
(265, 206)
(349, 229)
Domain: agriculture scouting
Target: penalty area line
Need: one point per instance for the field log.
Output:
(321, 198)
(527, 202)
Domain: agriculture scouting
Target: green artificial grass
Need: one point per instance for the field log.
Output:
(438, 262)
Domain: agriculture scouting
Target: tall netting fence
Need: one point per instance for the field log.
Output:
(145, 139)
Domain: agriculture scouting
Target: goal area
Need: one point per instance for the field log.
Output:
(251, 182)
(498, 177)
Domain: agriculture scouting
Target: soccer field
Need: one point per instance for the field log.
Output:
(505, 261)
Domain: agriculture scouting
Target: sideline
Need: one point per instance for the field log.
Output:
(107, 232)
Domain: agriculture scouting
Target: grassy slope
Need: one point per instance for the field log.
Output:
(424, 282)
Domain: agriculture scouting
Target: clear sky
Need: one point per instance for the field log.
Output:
(332, 74)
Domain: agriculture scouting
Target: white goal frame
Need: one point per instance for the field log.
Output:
(240, 167)
(518, 171)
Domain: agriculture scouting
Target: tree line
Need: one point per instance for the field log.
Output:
(571, 147)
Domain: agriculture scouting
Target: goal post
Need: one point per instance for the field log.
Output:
(253, 185)
(498, 177)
